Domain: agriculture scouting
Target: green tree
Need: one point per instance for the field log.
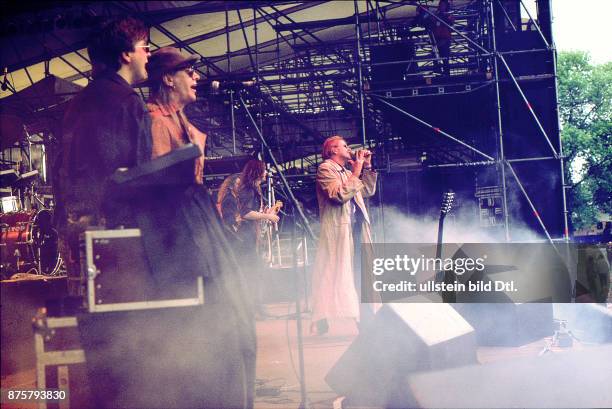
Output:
(585, 108)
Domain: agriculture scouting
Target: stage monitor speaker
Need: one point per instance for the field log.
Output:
(568, 379)
(508, 324)
(402, 338)
(281, 283)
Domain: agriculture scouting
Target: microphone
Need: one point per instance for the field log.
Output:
(366, 154)
(230, 85)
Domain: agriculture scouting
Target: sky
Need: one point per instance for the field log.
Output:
(583, 25)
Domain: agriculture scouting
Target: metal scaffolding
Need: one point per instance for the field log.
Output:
(313, 79)
(324, 84)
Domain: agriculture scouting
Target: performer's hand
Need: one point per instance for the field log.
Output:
(360, 155)
(357, 164)
(272, 217)
(367, 158)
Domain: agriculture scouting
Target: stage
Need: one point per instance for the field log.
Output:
(277, 360)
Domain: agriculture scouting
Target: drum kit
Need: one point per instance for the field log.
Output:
(28, 239)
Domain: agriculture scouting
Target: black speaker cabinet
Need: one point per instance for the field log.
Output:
(402, 339)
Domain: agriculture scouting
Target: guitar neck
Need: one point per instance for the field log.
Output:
(440, 235)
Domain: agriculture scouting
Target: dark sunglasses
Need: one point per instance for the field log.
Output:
(147, 48)
(190, 71)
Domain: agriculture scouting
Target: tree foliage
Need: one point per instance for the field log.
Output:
(585, 108)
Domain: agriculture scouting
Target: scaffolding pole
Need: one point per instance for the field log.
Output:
(506, 14)
(529, 107)
(229, 69)
(537, 26)
(435, 129)
(561, 156)
(500, 128)
(359, 73)
(531, 205)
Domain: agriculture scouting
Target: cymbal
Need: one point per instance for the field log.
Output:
(11, 130)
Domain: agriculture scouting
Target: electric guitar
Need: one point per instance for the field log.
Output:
(447, 204)
(441, 276)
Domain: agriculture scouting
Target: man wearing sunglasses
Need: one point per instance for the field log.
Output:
(106, 127)
(192, 240)
(172, 83)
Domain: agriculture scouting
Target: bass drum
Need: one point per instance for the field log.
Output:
(28, 243)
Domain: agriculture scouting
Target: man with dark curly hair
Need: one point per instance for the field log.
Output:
(106, 127)
(199, 356)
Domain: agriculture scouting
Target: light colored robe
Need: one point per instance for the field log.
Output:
(333, 286)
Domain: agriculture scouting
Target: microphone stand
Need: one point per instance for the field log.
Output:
(305, 402)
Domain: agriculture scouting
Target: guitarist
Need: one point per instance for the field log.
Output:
(240, 204)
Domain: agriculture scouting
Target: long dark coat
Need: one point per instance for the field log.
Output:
(181, 357)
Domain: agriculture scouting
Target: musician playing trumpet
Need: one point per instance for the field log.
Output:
(345, 225)
(241, 206)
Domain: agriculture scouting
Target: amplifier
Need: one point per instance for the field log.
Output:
(118, 277)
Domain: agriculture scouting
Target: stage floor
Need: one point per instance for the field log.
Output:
(277, 360)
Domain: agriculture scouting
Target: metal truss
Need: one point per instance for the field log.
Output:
(303, 86)
(327, 77)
